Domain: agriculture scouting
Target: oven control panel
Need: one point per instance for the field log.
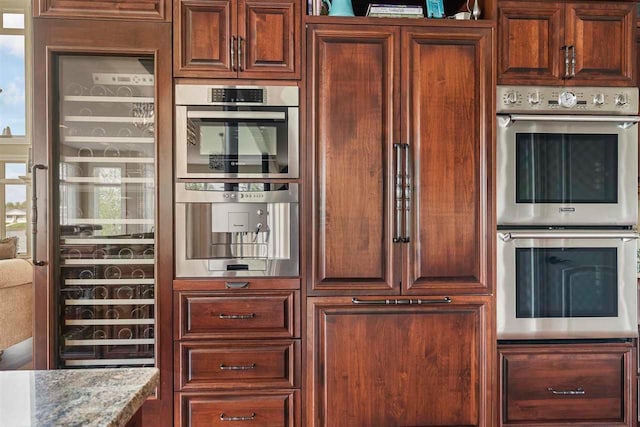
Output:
(567, 100)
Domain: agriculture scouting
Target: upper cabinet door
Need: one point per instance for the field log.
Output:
(154, 10)
(446, 107)
(530, 43)
(352, 73)
(268, 39)
(602, 36)
(203, 38)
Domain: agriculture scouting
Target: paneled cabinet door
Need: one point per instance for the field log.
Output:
(353, 80)
(411, 365)
(602, 36)
(202, 38)
(446, 99)
(147, 10)
(530, 42)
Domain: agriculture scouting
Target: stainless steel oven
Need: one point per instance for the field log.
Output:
(567, 156)
(236, 229)
(236, 131)
(566, 284)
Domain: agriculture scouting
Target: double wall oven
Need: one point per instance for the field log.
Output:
(236, 196)
(567, 207)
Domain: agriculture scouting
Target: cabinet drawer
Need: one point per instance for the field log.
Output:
(264, 409)
(562, 384)
(236, 365)
(227, 315)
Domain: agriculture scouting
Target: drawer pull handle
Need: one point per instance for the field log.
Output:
(249, 418)
(238, 316)
(236, 285)
(578, 392)
(224, 367)
(445, 300)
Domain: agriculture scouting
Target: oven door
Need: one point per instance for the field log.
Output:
(236, 142)
(567, 170)
(567, 284)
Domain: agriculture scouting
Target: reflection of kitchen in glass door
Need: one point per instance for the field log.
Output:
(106, 196)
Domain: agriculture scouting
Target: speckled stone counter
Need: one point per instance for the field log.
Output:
(78, 397)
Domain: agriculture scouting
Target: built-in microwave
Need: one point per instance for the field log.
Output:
(567, 157)
(237, 131)
(566, 284)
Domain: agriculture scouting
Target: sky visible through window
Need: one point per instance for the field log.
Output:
(12, 77)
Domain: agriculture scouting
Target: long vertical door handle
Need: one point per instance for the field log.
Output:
(573, 60)
(232, 52)
(240, 54)
(407, 193)
(34, 213)
(566, 61)
(397, 238)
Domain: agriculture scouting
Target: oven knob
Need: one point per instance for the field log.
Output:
(511, 97)
(620, 100)
(598, 99)
(568, 99)
(534, 98)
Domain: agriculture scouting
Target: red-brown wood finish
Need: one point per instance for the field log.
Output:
(603, 375)
(219, 365)
(352, 74)
(398, 365)
(202, 37)
(530, 42)
(51, 38)
(447, 98)
(228, 315)
(148, 10)
(226, 285)
(539, 40)
(264, 409)
(603, 36)
(269, 31)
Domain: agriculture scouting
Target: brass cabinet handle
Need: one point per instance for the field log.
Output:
(445, 300)
(237, 316)
(407, 193)
(224, 367)
(34, 213)
(573, 60)
(397, 238)
(232, 52)
(249, 418)
(240, 56)
(577, 392)
(566, 61)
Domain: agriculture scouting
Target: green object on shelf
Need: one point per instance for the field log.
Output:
(340, 8)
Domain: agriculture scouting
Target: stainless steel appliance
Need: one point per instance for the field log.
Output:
(566, 284)
(236, 229)
(237, 131)
(567, 156)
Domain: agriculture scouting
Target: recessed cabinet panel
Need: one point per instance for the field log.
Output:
(156, 10)
(530, 41)
(444, 95)
(353, 73)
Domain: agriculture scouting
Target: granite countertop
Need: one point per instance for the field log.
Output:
(74, 397)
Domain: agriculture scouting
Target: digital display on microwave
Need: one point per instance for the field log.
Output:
(566, 282)
(566, 168)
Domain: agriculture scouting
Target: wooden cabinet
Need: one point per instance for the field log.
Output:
(251, 39)
(557, 43)
(358, 77)
(381, 365)
(567, 384)
(147, 10)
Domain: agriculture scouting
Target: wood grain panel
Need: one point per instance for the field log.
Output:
(271, 33)
(603, 37)
(530, 41)
(352, 142)
(446, 91)
(154, 10)
(428, 367)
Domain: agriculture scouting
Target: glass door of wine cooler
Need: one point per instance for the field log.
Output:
(105, 208)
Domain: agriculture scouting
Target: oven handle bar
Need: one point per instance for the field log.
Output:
(237, 115)
(626, 121)
(624, 235)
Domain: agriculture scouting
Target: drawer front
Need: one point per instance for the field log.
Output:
(227, 315)
(237, 365)
(566, 387)
(267, 409)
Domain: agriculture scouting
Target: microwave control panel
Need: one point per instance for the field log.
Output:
(567, 100)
